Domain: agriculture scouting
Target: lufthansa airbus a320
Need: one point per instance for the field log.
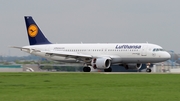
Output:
(93, 56)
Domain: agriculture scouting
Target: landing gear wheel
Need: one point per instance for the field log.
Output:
(86, 69)
(148, 70)
(108, 70)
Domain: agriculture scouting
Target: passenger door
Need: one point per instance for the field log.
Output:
(144, 50)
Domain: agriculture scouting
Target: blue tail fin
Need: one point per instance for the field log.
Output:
(35, 35)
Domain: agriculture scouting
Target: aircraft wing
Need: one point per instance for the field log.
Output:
(67, 55)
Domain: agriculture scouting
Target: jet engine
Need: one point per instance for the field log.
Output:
(101, 63)
(133, 66)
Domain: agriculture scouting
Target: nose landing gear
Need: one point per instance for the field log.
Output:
(147, 68)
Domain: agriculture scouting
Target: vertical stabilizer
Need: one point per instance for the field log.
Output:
(36, 37)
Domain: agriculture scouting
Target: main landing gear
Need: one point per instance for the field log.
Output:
(88, 69)
(108, 70)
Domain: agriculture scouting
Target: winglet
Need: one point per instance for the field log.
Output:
(36, 37)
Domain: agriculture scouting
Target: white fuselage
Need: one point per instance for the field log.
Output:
(118, 52)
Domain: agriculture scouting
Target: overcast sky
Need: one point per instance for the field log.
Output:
(91, 21)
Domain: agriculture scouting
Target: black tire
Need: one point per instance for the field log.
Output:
(108, 70)
(86, 69)
(148, 70)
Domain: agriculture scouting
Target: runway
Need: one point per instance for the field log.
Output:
(110, 72)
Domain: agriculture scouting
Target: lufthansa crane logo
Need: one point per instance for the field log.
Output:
(32, 30)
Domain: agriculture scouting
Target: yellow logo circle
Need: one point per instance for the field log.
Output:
(32, 30)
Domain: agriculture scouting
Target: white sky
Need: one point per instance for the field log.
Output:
(91, 21)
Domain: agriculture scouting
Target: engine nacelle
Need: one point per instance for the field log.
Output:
(101, 63)
(133, 66)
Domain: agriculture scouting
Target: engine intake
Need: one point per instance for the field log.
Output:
(101, 63)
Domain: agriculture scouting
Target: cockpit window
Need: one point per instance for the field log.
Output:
(157, 49)
(161, 49)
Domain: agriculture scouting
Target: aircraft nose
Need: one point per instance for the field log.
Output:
(167, 55)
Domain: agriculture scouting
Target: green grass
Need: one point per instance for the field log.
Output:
(89, 87)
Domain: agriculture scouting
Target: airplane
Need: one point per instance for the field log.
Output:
(93, 56)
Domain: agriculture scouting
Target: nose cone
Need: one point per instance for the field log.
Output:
(167, 56)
